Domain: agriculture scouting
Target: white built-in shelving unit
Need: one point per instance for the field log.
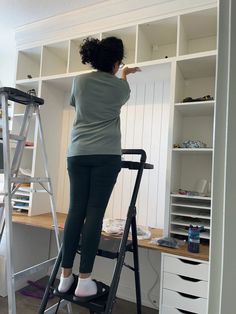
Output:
(188, 50)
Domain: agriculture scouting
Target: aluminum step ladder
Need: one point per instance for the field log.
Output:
(13, 181)
(111, 248)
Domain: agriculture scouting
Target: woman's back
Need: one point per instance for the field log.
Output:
(97, 97)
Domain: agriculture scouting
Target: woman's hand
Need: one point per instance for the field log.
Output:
(126, 71)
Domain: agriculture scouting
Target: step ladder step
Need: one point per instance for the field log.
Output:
(97, 305)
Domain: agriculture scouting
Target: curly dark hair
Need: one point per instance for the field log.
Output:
(102, 54)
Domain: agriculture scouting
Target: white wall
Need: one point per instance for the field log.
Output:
(223, 252)
(7, 57)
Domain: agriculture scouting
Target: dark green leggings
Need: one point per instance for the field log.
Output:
(92, 178)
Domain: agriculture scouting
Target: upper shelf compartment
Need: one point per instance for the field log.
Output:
(197, 32)
(157, 40)
(75, 64)
(28, 64)
(195, 78)
(128, 36)
(55, 58)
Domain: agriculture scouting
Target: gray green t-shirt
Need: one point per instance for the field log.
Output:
(97, 98)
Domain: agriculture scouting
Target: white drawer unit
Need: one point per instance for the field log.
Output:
(172, 310)
(184, 301)
(186, 267)
(184, 285)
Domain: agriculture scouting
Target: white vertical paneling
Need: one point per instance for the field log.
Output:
(144, 124)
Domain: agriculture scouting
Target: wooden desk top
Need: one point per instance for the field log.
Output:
(45, 221)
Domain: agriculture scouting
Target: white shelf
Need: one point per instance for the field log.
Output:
(204, 66)
(191, 213)
(20, 200)
(189, 41)
(190, 221)
(55, 58)
(157, 40)
(22, 193)
(29, 63)
(193, 150)
(178, 231)
(198, 31)
(21, 207)
(191, 205)
(198, 108)
(191, 197)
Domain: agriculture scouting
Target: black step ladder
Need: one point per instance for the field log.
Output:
(113, 248)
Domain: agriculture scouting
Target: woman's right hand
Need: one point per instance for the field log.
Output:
(126, 71)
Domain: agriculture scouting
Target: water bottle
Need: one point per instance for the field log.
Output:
(193, 239)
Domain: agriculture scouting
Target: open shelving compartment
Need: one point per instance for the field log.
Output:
(28, 63)
(128, 36)
(55, 58)
(197, 32)
(195, 77)
(157, 40)
(75, 64)
(186, 210)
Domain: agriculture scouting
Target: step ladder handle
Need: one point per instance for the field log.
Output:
(140, 152)
(21, 143)
(136, 186)
(7, 205)
(50, 283)
(136, 265)
(50, 188)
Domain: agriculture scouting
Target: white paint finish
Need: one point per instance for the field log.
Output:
(185, 285)
(104, 17)
(18, 13)
(183, 266)
(7, 58)
(219, 160)
(176, 300)
(223, 257)
(145, 122)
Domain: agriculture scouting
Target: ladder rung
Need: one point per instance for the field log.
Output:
(29, 180)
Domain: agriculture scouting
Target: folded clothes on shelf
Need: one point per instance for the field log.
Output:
(116, 227)
(204, 98)
(190, 144)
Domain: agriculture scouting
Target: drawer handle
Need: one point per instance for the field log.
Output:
(185, 312)
(185, 295)
(189, 279)
(189, 262)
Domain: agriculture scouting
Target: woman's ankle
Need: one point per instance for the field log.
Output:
(84, 275)
(66, 272)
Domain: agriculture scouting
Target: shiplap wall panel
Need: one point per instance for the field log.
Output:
(144, 124)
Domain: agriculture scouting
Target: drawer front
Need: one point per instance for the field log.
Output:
(172, 310)
(185, 284)
(184, 302)
(186, 267)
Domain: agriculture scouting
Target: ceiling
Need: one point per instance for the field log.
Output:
(17, 13)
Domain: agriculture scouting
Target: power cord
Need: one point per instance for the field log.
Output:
(155, 282)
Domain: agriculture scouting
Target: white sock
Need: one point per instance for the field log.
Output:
(85, 287)
(65, 283)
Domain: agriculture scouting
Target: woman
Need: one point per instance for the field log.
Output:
(94, 155)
